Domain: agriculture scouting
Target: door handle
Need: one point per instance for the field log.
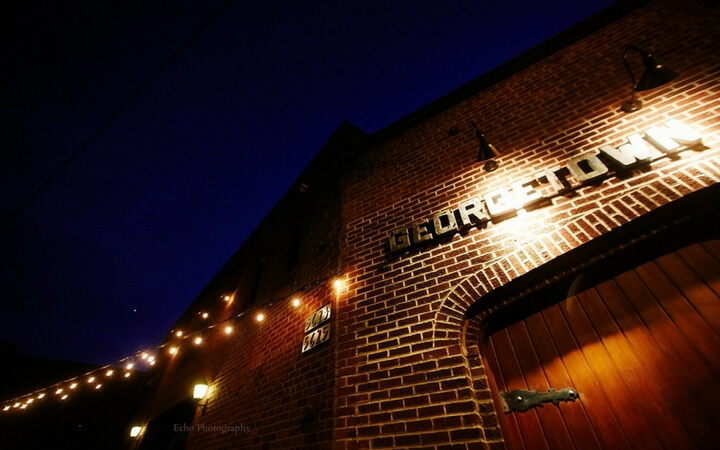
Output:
(522, 400)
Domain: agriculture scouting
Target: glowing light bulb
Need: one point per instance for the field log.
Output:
(73, 386)
(30, 400)
(41, 395)
(173, 350)
(179, 333)
(151, 360)
(339, 284)
(227, 298)
(205, 315)
(25, 405)
(6, 408)
(144, 356)
(98, 386)
(129, 366)
(109, 373)
(64, 397)
(296, 302)
(260, 317)
(59, 391)
(198, 340)
(152, 363)
(228, 329)
(127, 374)
(91, 380)
(135, 431)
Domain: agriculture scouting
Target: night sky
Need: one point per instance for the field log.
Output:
(142, 141)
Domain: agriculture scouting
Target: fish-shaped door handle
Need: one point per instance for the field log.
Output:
(522, 400)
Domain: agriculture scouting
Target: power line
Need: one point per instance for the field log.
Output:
(14, 214)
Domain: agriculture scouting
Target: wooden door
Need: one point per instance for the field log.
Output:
(642, 349)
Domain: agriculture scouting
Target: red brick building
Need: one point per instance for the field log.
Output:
(585, 266)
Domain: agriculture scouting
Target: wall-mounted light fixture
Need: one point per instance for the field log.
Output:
(199, 392)
(654, 75)
(486, 151)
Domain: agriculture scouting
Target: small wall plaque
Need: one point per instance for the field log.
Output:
(317, 329)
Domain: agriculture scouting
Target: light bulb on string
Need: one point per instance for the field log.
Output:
(296, 302)
(228, 329)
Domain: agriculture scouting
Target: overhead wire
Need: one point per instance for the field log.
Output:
(135, 94)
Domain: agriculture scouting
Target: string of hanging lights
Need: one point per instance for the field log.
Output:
(147, 358)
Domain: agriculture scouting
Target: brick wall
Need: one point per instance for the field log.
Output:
(405, 376)
(401, 368)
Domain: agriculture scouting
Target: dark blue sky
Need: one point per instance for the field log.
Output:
(163, 186)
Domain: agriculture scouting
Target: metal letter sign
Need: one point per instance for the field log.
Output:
(317, 329)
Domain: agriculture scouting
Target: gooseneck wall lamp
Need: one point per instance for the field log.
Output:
(653, 75)
(486, 151)
(199, 392)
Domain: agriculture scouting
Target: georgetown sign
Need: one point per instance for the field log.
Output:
(504, 202)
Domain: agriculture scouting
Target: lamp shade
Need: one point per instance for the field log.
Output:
(200, 390)
(654, 75)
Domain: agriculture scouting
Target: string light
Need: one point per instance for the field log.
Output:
(339, 285)
(151, 360)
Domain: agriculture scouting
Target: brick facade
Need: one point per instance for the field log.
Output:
(401, 368)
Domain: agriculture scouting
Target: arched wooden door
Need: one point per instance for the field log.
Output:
(642, 349)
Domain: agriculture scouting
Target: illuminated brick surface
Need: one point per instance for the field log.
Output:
(397, 371)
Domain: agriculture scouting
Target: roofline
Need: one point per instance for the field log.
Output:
(560, 41)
